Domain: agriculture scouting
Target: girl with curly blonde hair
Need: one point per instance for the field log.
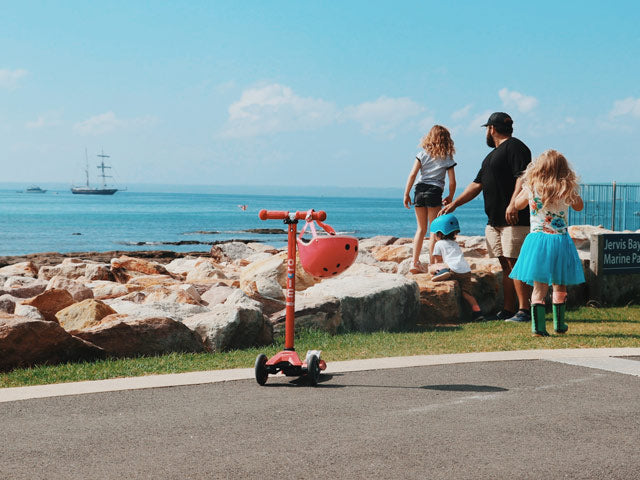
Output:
(548, 255)
(434, 162)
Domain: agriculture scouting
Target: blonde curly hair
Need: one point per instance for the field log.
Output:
(438, 143)
(552, 179)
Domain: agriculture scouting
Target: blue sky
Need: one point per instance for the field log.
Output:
(311, 93)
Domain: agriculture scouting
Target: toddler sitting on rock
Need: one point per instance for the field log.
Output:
(448, 261)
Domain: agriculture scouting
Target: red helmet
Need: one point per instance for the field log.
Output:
(326, 256)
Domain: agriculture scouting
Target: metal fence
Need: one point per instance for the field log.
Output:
(615, 206)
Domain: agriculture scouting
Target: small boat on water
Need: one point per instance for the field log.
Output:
(34, 189)
(87, 189)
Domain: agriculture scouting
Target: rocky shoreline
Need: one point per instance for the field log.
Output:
(58, 307)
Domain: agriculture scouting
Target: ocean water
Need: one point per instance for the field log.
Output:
(63, 222)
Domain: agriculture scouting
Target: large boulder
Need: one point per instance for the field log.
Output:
(440, 302)
(216, 294)
(475, 246)
(98, 271)
(392, 253)
(27, 342)
(176, 294)
(318, 313)
(268, 277)
(145, 281)
(77, 289)
(104, 289)
(236, 250)
(175, 311)
(69, 268)
(487, 290)
(24, 287)
(182, 266)
(22, 269)
(262, 277)
(372, 301)
(50, 302)
(82, 315)
(8, 303)
(125, 337)
(205, 270)
(258, 247)
(124, 268)
(377, 241)
(28, 311)
(238, 323)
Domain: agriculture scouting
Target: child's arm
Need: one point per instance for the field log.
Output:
(577, 204)
(511, 214)
(522, 200)
(436, 264)
(452, 186)
(410, 180)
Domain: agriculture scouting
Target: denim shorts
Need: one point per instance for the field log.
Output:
(427, 195)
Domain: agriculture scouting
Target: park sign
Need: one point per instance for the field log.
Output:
(615, 253)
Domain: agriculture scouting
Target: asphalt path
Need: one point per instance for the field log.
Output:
(511, 419)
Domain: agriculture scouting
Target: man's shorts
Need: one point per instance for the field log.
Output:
(427, 195)
(505, 241)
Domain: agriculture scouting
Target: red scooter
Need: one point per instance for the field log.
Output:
(322, 257)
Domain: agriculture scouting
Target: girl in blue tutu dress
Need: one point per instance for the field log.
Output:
(548, 255)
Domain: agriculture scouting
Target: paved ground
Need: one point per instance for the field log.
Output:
(568, 414)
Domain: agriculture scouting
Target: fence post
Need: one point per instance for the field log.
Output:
(613, 208)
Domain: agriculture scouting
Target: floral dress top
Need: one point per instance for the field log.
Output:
(548, 218)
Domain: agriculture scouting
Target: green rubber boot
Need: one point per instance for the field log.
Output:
(558, 318)
(538, 324)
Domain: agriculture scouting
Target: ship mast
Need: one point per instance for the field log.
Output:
(86, 168)
(101, 167)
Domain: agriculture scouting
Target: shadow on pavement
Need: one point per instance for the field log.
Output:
(324, 378)
(465, 388)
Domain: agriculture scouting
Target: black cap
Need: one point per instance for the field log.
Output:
(500, 120)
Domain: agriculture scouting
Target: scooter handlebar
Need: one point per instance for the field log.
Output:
(281, 215)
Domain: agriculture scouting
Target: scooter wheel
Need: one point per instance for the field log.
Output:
(261, 369)
(313, 370)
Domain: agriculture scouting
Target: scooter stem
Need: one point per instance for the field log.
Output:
(290, 305)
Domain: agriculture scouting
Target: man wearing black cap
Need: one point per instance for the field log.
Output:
(498, 180)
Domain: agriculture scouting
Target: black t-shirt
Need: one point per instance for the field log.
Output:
(498, 174)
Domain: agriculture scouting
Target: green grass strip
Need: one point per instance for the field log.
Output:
(588, 328)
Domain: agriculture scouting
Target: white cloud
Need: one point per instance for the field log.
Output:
(108, 122)
(50, 119)
(276, 108)
(10, 78)
(477, 121)
(628, 106)
(513, 99)
(462, 113)
(384, 115)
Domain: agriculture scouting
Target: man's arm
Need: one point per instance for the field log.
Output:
(469, 193)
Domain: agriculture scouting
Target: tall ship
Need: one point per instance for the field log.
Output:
(99, 190)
